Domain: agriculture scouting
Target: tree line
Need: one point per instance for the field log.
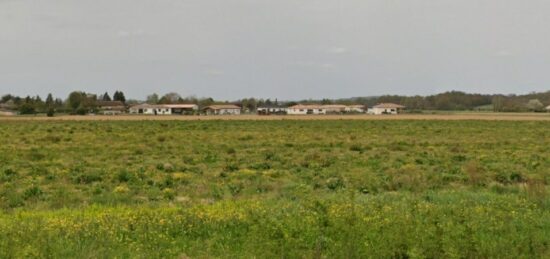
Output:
(79, 102)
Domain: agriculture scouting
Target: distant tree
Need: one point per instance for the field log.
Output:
(535, 105)
(81, 103)
(204, 102)
(291, 104)
(6, 98)
(27, 107)
(326, 101)
(75, 100)
(105, 97)
(170, 98)
(58, 103)
(119, 96)
(153, 99)
(50, 101)
(497, 103)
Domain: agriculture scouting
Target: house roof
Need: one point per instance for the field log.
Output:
(148, 106)
(306, 106)
(356, 106)
(222, 106)
(388, 105)
(327, 106)
(181, 106)
(334, 106)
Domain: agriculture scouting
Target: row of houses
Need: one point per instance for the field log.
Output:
(113, 108)
(305, 109)
(184, 109)
(117, 107)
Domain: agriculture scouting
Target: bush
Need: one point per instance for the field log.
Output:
(335, 183)
(50, 112)
(32, 192)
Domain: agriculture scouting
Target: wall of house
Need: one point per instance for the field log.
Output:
(305, 111)
(380, 111)
(355, 109)
(229, 111)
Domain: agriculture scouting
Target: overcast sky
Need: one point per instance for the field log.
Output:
(286, 49)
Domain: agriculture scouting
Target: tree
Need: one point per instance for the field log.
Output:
(27, 107)
(119, 96)
(153, 99)
(170, 98)
(106, 97)
(49, 101)
(75, 99)
(204, 102)
(7, 98)
(326, 101)
(535, 105)
(81, 103)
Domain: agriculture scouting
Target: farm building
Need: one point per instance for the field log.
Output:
(335, 108)
(111, 107)
(273, 109)
(356, 108)
(386, 108)
(7, 109)
(302, 109)
(164, 109)
(182, 108)
(222, 109)
(149, 109)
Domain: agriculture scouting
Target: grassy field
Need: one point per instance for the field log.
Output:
(491, 116)
(275, 188)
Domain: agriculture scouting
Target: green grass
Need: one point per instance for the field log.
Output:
(338, 189)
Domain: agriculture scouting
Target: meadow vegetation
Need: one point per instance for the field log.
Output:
(337, 189)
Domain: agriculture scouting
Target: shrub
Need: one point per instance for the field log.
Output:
(335, 183)
(32, 192)
(50, 112)
(168, 193)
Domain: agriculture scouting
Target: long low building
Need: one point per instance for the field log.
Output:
(303, 109)
(272, 109)
(163, 109)
(386, 108)
(111, 107)
(222, 109)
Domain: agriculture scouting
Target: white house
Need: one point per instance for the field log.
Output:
(149, 109)
(223, 109)
(386, 108)
(356, 108)
(335, 108)
(548, 108)
(301, 109)
(163, 109)
(268, 110)
(182, 108)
